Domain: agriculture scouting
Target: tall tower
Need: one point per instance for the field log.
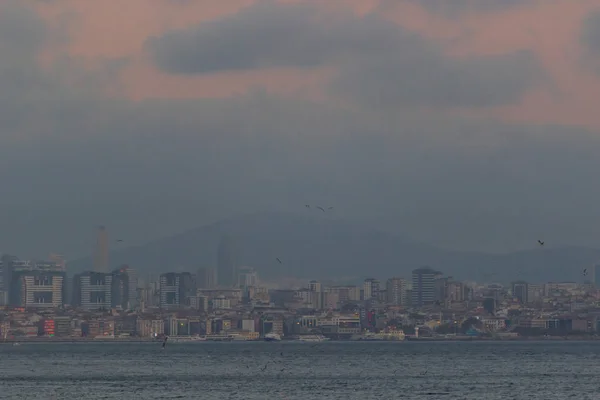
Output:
(423, 286)
(227, 262)
(101, 250)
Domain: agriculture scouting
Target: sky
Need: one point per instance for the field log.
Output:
(470, 124)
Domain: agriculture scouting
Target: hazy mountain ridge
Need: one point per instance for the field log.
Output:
(317, 246)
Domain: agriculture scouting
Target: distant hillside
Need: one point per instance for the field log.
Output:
(313, 247)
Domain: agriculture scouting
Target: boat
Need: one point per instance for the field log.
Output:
(272, 337)
(383, 336)
(187, 339)
(312, 338)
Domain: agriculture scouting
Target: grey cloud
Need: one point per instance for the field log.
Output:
(73, 159)
(590, 37)
(263, 35)
(378, 61)
(457, 7)
(430, 80)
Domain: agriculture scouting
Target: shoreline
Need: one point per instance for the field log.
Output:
(422, 339)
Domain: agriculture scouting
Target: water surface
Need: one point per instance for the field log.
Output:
(432, 370)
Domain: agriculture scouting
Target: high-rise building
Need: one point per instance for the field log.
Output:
(519, 291)
(247, 277)
(370, 289)
(207, 278)
(37, 284)
(126, 276)
(121, 289)
(314, 286)
(7, 265)
(396, 291)
(228, 262)
(92, 291)
(175, 288)
(423, 286)
(101, 250)
(596, 275)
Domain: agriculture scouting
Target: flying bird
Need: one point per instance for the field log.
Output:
(278, 260)
(165, 342)
(540, 242)
(321, 208)
(307, 205)
(585, 272)
(119, 240)
(330, 208)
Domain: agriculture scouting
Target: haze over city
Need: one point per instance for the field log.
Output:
(355, 198)
(466, 126)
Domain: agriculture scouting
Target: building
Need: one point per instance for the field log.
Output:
(63, 326)
(520, 291)
(149, 327)
(455, 291)
(314, 286)
(423, 286)
(596, 275)
(124, 288)
(396, 291)
(175, 288)
(227, 262)
(36, 284)
(370, 289)
(101, 250)
(207, 278)
(535, 293)
(120, 289)
(247, 277)
(92, 290)
(221, 302)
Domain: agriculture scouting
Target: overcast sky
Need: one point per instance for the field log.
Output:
(470, 126)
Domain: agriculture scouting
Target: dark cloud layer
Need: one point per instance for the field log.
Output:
(590, 37)
(458, 7)
(379, 62)
(72, 158)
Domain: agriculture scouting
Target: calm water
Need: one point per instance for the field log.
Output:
(476, 370)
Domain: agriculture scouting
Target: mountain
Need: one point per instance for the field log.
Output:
(319, 247)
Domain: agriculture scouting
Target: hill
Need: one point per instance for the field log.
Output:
(320, 247)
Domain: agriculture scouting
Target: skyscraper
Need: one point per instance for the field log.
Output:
(121, 289)
(101, 250)
(207, 278)
(423, 286)
(37, 284)
(227, 262)
(396, 291)
(175, 289)
(370, 289)
(92, 290)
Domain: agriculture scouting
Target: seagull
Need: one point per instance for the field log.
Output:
(321, 208)
(307, 205)
(278, 260)
(265, 367)
(585, 272)
(330, 208)
(540, 242)
(119, 240)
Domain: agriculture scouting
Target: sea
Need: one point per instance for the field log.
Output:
(291, 370)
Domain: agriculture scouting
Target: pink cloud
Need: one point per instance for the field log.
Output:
(107, 29)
